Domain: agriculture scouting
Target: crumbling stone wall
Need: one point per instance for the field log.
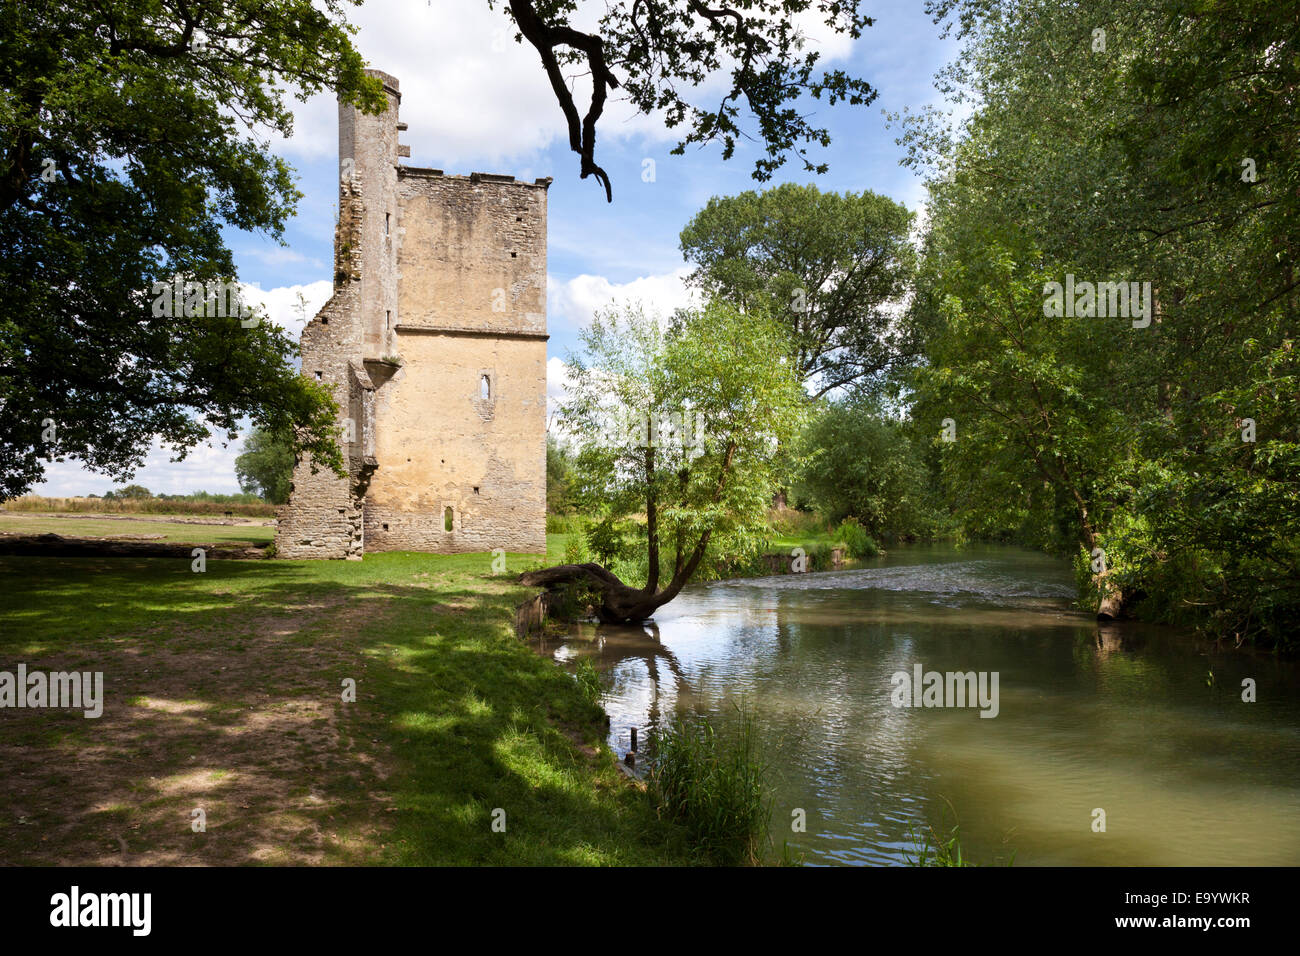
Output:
(434, 343)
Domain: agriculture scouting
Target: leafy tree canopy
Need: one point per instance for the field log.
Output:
(131, 132)
(657, 52)
(829, 265)
(265, 467)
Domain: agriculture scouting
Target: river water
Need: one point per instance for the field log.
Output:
(1143, 723)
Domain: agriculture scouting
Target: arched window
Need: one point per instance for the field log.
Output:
(484, 388)
(448, 519)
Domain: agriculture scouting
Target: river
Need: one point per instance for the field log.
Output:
(1143, 723)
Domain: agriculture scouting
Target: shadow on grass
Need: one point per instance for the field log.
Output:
(224, 693)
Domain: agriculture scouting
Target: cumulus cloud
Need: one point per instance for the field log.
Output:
(283, 305)
(573, 303)
(472, 95)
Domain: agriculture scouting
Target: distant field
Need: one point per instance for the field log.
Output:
(39, 503)
(172, 531)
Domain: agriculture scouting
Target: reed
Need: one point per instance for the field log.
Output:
(714, 785)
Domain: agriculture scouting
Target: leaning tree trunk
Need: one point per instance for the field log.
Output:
(619, 604)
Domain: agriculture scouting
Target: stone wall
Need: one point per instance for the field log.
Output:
(434, 345)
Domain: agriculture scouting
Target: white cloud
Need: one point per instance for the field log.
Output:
(574, 303)
(557, 385)
(472, 95)
(207, 468)
(281, 304)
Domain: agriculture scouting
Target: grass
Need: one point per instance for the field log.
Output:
(222, 693)
(941, 845)
(714, 785)
(172, 531)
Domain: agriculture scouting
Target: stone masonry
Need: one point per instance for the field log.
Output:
(434, 343)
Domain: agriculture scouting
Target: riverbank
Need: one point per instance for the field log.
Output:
(224, 694)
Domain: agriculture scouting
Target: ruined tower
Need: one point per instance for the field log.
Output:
(434, 343)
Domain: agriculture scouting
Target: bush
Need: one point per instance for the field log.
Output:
(856, 540)
(606, 542)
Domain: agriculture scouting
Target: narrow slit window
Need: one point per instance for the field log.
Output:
(484, 388)
(448, 519)
(387, 219)
(388, 320)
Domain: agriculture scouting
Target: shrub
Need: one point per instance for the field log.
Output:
(856, 540)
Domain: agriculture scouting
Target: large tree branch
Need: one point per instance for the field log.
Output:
(582, 131)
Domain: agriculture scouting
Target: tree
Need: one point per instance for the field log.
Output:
(265, 467)
(132, 133)
(858, 463)
(636, 406)
(829, 264)
(1125, 141)
(131, 493)
(558, 477)
(654, 49)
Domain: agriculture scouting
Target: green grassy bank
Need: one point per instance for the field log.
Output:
(223, 694)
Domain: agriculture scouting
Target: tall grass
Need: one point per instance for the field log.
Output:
(169, 506)
(714, 785)
(941, 845)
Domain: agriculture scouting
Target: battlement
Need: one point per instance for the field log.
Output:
(434, 344)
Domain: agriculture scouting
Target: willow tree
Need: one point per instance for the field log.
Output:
(1126, 140)
(676, 430)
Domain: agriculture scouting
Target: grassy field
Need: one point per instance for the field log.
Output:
(172, 531)
(223, 694)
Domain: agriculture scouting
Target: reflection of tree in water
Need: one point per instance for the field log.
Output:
(610, 645)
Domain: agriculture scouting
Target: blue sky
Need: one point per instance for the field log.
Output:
(476, 101)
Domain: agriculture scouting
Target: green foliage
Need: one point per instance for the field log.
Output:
(129, 153)
(856, 462)
(749, 59)
(559, 494)
(588, 681)
(713, 784)
(130, 492)
(1129, 165)
(824, 264)
(606, 541)
(856, 539)
(265, 467)
(686, 499)
(940, 846)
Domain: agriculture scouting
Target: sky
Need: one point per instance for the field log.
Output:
(475, 101)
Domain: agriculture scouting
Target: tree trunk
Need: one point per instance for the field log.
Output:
(620, 604)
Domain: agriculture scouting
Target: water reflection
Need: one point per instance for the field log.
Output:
(1139, 721)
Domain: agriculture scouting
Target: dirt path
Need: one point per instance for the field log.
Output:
(247, 726)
